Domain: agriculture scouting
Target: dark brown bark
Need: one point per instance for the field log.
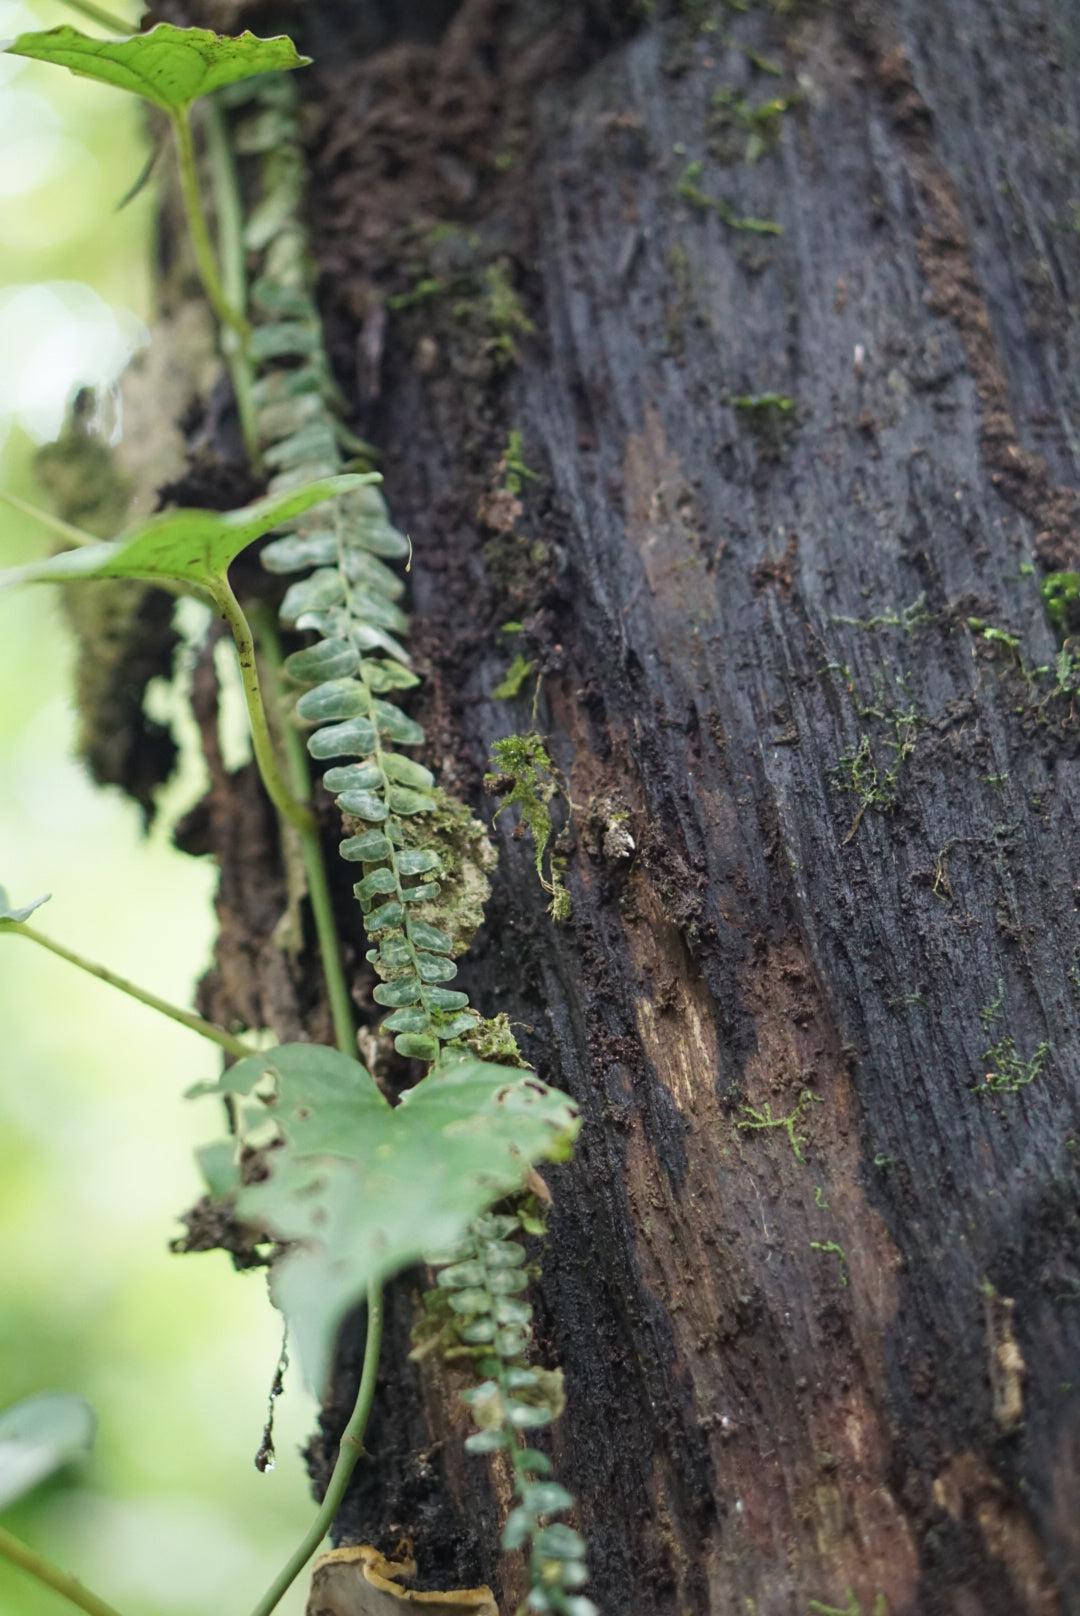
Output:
(847, 1371)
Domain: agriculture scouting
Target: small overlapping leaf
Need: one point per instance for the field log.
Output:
(361, 1189)
(170, 66)
(9, 916)
(190, 547)
(40, 1435)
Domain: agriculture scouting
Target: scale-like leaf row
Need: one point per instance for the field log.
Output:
(349, 596)
(483, 1276)
(358, 1193)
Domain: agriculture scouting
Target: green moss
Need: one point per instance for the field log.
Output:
(691, 192)
(521, 566)
(999, 639)
(85, 487)
(861, 771)
(516, 674)
(515, 472)
(679, 309)
(907, 618)
(764, 402)
(492, 1039)
(755, 1120)
(1061, 595)
(742, 129)
(1006, 1072)
(428, 287)
(80, 475)
(830, 1247)
(990, 1012)
(852, 1608)
(763, 63)
(526, 779)
(500, 311)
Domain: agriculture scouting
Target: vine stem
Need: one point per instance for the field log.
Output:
(230, 234)
(62, 1582)
(186, 1018)
(230, 229)
(350, 1448)
(337, 989)
(199, 229)
(297, 813)
(74, 535)
(104, 19)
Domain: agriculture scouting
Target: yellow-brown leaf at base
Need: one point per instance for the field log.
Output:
(359, 1581)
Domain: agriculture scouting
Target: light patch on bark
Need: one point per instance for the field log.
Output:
(969, 1491)
(1007, 1366)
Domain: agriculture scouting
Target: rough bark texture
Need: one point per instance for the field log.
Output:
(835, 1361)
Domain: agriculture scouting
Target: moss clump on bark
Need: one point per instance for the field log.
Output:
(121, 627)
(467, 858)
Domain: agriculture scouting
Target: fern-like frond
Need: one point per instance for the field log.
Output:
(349, 596)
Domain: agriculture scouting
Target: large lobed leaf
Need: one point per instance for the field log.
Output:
(38, 1436)
(361, 1189)
(170, 66)
(186, 546)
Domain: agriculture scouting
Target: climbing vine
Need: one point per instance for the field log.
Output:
(309, 1123)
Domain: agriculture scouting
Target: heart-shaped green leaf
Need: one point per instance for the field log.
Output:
(188, 547)
(38, 1436)
(361, 1189)
(15, 917)
(170, 66)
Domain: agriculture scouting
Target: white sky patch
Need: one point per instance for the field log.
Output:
(56, 337)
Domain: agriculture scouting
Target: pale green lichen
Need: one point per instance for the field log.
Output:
(467, 858)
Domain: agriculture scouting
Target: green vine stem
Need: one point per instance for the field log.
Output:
(350, 1448)
(337, 988)
(64, 530)
(297, 813)
(186, 1018)
(103, 18)
(230, 234)
(199, 229)
(60, 1582)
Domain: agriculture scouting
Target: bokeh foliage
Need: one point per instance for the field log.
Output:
(169, 1518)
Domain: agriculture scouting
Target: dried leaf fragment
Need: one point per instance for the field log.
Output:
(359, 1581)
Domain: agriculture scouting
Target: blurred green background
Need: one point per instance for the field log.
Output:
(170, 1517)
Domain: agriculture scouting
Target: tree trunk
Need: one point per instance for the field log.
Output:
(812, 1274)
